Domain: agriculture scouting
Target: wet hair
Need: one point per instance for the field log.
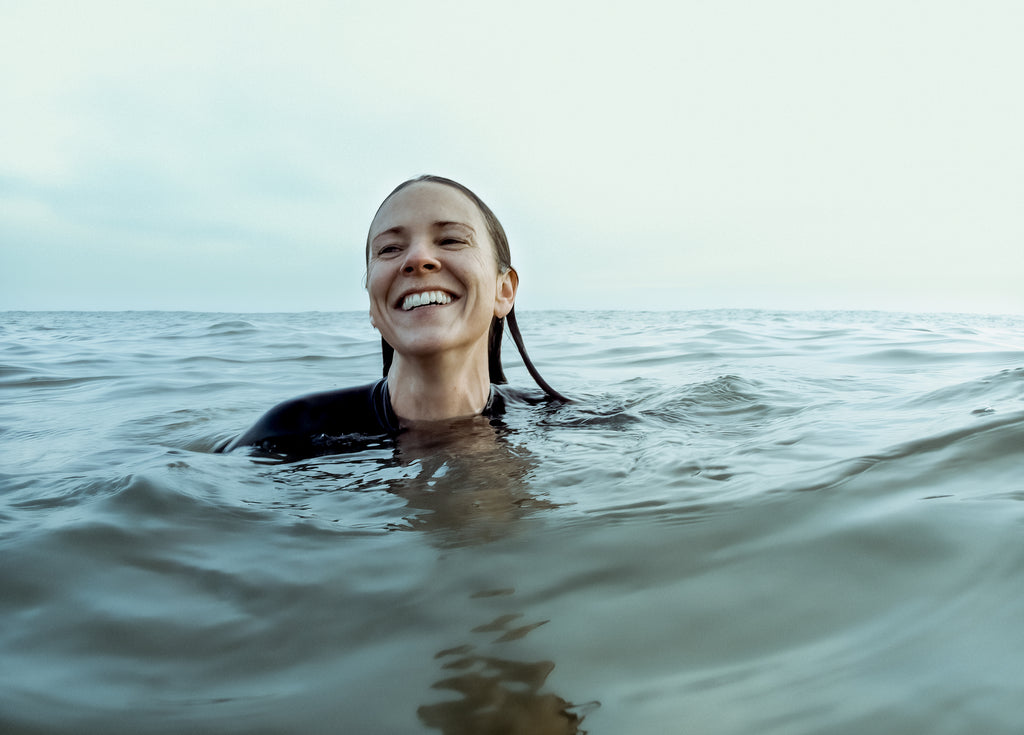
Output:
(504, 258)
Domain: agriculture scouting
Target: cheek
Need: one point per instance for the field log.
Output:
(483, 269)
(376, 283)
(377, 291)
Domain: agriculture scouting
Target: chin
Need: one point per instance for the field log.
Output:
(419, 345)
(425, 344)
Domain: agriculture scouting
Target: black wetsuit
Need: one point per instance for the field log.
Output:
(322, 423)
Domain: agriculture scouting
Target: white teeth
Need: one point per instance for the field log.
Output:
(427, 297)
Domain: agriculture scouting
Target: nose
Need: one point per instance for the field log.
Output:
(420, 258)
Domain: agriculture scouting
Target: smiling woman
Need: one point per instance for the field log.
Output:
(441, 286)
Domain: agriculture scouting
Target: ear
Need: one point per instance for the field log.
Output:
(505, 293)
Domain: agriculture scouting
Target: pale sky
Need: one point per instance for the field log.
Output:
(679, 154)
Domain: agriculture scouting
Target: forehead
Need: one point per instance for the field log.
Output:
(425, 203)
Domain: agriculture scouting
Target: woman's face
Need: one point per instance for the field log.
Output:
(432, 276)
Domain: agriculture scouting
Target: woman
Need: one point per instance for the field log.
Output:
(441, 284)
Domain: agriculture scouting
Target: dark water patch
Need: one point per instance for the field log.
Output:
(9, 371)
(52, 381)
(656, 514)
(208, 360)
(230, 328)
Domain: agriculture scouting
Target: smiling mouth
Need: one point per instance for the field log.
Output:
(425, 298)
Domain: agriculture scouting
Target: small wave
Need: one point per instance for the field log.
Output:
(53, 381)
(936, 461)
(654, 406)
(908, 356)
(725, 397)
(234, 326)
(1003, 436)
(1006, 385)
(228, 328)
(15, 375)
(726, 392)
(204, 359)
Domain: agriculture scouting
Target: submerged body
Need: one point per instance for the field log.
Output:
(319, 423)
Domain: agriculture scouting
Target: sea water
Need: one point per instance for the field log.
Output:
(746, 522)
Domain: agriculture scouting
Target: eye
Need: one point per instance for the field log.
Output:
(385, 250)
(453, 241)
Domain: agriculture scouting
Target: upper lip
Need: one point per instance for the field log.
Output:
(423, 289)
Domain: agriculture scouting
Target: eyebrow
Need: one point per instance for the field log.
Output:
(440, 225)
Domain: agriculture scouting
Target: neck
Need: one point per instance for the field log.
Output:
(440, 386)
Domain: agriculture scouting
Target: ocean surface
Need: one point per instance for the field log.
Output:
(746, 522)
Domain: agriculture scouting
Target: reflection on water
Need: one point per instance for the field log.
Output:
(470, 481)
(467, 482)
(498, 695)
(472, 486)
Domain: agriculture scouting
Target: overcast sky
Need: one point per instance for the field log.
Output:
(676, 154)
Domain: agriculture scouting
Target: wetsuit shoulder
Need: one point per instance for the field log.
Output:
(294, 426)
